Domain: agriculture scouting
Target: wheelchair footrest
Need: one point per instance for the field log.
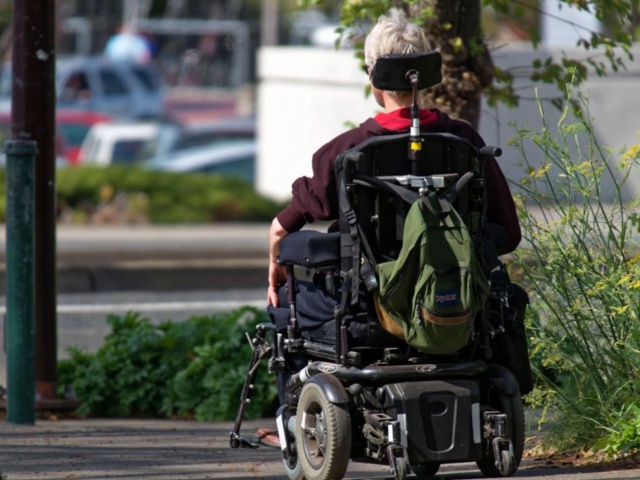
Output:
(236, 441)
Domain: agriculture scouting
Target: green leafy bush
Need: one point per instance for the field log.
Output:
(194, 368)
(580, 264)
(171, 197)
(157, 197)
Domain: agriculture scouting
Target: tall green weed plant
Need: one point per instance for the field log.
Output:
(580, 264)
(190, 369)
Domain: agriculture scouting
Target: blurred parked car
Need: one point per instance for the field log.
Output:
(61, 148)
(73, 126)
(176, 137)
(140, 142)
(115, 88)
(236, 158)
(109, 143)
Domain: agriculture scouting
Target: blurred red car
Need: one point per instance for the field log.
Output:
(5, 134)
(73, 126)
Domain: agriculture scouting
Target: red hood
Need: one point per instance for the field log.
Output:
(400, 119)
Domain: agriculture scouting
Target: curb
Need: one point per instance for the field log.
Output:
(149, 257)
(158, 278)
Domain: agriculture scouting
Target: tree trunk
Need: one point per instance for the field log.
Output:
(455, 31)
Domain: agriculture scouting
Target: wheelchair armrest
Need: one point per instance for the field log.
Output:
(491, 151)
(310, 248)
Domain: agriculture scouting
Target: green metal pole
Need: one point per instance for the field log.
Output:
(20, 322)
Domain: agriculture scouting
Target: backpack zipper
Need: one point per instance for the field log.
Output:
(418, 309)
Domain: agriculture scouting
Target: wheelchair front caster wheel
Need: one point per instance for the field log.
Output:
(506, 466)
(293, 468)
(505, 462)
(401, 469)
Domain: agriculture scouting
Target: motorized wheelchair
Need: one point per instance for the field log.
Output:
(353, 390)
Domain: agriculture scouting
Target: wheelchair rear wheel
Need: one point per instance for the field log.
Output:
(323, 435)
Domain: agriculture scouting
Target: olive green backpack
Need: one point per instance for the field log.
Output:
(431, 293)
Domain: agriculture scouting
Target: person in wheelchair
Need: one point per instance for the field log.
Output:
(316, 199)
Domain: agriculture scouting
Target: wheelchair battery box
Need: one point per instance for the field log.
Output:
(440, 420)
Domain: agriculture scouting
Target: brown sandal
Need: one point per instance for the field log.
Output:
(268, 437)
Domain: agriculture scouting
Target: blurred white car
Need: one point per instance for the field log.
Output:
(130, 142)
(111, 143)
(234, 158)
(176, 137)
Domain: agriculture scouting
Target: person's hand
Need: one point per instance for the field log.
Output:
(277, 272)
(277, 275)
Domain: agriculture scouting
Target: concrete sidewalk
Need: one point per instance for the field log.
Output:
(93, 449)
(185, 450)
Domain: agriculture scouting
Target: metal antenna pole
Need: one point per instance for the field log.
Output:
(415, 141)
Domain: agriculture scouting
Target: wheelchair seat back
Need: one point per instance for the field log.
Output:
(443, 159)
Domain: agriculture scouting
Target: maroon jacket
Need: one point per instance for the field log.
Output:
(315, 198)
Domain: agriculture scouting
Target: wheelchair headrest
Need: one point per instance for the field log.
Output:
(390, 72)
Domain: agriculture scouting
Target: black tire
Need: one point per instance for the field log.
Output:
(426, 470)
(292, 468)
(291, 463)
(512, 406)
(323, 435)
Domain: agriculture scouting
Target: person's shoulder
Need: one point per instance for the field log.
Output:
(459, 127)
(446, 121)
(354, 136)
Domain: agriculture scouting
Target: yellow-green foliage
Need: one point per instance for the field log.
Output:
(580, 264)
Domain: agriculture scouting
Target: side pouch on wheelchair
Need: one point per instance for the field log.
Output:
(512, 350)
(433, 291)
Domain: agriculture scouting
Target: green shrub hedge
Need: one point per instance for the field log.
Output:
(190, 369)
(136, 194)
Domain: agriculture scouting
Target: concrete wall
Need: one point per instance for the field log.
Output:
(613, 105)
(306, 96)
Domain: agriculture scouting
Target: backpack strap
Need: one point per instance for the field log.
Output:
(406, 194)
(357, 266)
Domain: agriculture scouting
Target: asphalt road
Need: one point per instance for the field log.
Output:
(185, 450)
(82, 316)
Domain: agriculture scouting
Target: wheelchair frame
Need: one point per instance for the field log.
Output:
(412, 410)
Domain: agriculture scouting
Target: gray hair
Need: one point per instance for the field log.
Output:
(394, 34)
